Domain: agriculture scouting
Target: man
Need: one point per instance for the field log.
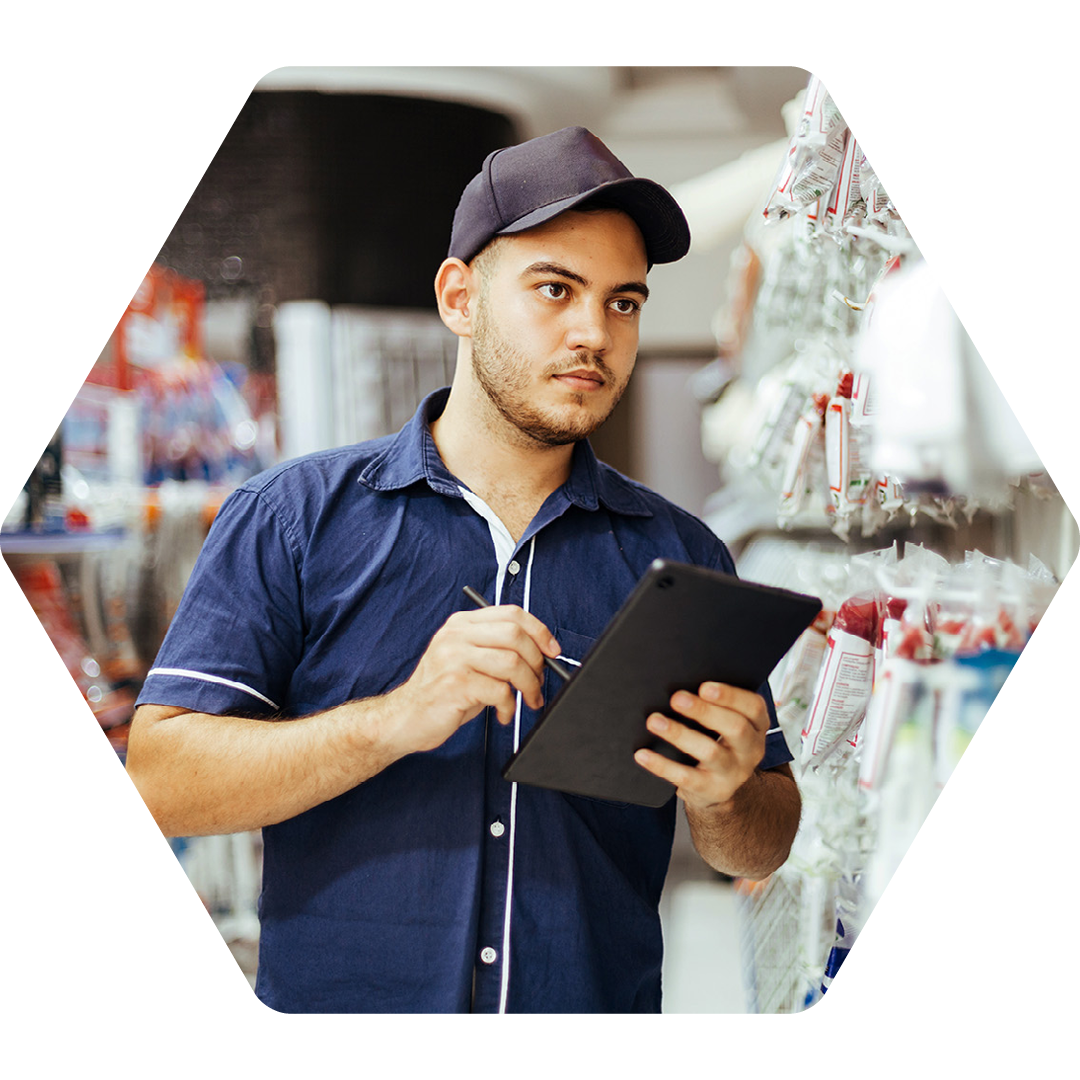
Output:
(325, 679)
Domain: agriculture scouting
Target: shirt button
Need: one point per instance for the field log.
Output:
(488, 955)
(497, 828)
(514, 567)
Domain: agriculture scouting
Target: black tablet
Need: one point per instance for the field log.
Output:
(681, 626)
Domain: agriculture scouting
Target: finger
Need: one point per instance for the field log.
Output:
(460, 637)
(514, 673)
(504, 701)
(734, 726)
(746, 703)
(684, 777)
(542, 637)
(479, 691)
(701, 747)
(509, 668)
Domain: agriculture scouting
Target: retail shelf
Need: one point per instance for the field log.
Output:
(49, 545)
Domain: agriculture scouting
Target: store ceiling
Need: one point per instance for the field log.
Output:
(643, 101)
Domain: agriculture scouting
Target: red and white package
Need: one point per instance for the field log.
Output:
(804, 472)
(905, 649)
(846, 459)
(845, 680)
(906, 625)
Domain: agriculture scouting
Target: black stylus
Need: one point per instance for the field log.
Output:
(555, 666)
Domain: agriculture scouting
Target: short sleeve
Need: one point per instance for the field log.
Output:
(238, 632)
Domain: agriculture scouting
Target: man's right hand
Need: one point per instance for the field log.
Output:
(476, 659)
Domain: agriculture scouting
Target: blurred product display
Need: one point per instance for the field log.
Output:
(854, 411)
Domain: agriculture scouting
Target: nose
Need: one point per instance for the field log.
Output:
(589, 329)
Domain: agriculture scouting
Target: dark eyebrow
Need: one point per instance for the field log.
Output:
(537, 268)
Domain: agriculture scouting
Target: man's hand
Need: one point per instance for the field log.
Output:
(727, 759)
(477, 658)
(742, 819)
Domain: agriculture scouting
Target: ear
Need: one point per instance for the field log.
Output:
(455, 286)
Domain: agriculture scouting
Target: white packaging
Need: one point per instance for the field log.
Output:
(840, 696)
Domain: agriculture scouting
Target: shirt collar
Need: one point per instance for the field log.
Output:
(411, 456)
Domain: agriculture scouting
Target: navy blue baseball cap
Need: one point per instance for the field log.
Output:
(522, 186)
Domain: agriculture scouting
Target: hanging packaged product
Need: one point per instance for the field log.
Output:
(794, 695)
(847, 423)
(815, 154)
(962, 619)
(846, 679)
(803, 477)
(1006, 616)
(785, 395)
(844, 682)
(898, 690)
(908, 584)
(890, 496)
(905, 642)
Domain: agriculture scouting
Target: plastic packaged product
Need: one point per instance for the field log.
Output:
(785, 394)
(846, 426)
(890, 495)
(804, 468)
(898, 690)
(849, 478)
(905, 651)
(878, 204)
(908, 584)
(845, 680)
(981, 607)
(810, 171)
(782, 401)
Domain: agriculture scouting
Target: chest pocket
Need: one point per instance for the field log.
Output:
(575, 647)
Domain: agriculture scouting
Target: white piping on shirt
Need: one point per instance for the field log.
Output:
(184, 673)
(504, 550)
(505, 989)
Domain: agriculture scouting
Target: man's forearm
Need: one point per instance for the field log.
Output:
(752, 834)
(207, 775)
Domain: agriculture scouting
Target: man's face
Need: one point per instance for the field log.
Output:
(555, 330)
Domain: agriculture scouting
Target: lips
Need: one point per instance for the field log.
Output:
(581, 379)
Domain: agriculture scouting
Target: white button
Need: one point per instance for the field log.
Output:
(497, 828)
(488, 955)
(514, 567)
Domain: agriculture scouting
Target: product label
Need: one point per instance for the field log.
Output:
(842, 692)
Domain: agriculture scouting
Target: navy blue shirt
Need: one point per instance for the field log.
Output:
(435, 885)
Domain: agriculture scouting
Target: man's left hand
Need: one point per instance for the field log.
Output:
(725, 760)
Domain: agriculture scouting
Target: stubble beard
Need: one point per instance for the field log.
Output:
(503, 373)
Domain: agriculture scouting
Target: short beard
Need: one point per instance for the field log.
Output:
(503, 374)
